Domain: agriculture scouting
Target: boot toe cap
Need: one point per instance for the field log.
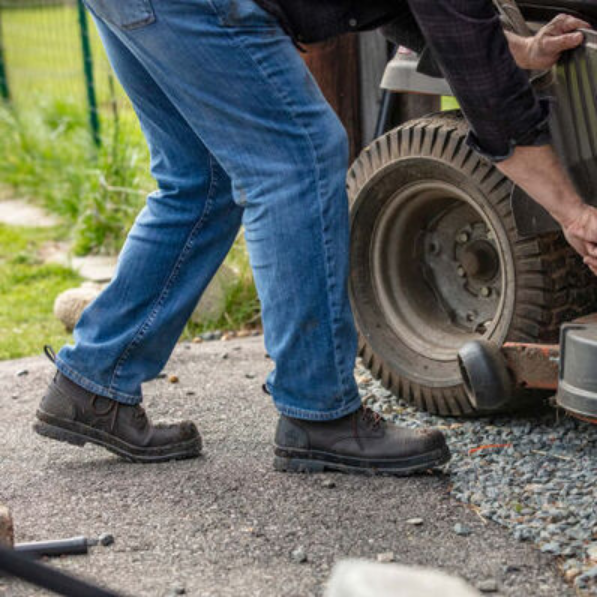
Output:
(175, 433)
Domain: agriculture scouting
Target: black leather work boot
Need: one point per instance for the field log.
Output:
(69, 413)
(362, 442)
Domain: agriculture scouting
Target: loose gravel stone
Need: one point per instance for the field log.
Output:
(299, 555)
(106, 539)
(538, 478)
(488, 586)
(386, 557)
(328, 484)
(416, 522)
(462, 530)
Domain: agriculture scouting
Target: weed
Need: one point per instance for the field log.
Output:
(28, 289)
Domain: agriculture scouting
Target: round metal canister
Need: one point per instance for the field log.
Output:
(577, 391)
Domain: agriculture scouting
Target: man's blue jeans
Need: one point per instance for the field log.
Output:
(239, 133)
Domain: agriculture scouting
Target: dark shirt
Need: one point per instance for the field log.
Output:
(310, 21)
(467, 41)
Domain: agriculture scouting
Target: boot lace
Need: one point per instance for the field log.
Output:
(371, 418)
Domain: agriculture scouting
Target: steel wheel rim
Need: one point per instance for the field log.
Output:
(410, 303)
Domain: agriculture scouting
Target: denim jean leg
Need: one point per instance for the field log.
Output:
(175, 246)
(236, 78)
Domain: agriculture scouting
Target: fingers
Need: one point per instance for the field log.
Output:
(591, 250)
(565, 24)
(561, 43)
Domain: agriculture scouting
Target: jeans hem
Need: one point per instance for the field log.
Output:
(312, 415)
(91, 386)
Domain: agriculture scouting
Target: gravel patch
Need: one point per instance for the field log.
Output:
(535, 475)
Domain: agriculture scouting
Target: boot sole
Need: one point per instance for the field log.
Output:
(318, 462)
(77, 434)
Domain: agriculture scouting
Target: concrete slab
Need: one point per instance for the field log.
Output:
(18, 212)
(227, 524)
(95, 268)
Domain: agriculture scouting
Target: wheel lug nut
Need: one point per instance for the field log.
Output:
(486, 291)
(471, 316)
(463, 237)
(434, 248)
(461, 271)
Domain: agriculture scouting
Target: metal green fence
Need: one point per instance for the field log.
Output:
(49, 50)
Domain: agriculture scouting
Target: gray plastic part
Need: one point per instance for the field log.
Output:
(574, 122)
(401, 76)
(577, 391)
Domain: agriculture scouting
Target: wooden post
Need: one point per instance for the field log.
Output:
(374, 55)
(7, 536)
(335, 66)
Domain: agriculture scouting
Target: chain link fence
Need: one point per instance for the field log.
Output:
(50, 51)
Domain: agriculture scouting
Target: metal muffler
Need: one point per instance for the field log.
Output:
(577, 389)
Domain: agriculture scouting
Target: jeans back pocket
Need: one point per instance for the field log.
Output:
(243, 14)
(124, 14)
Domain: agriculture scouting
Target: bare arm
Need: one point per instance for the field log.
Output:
(539, 172)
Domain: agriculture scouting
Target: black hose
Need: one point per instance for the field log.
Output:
(25, 568)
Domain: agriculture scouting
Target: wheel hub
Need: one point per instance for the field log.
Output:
(462, 265)
(480, 261)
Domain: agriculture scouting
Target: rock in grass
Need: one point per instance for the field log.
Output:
(69, 306)
(213, 301)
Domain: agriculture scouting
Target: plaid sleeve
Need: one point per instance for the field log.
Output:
(495, 95)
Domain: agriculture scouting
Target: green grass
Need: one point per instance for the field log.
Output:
(44, 58)
(27, 292)
(46, 155)
(46, 150)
